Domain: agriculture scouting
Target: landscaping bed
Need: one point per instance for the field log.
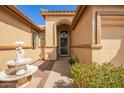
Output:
(97, 76)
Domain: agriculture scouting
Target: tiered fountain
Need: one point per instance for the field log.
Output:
(19, 71)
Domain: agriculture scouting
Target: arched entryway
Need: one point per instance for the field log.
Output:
(63, 40)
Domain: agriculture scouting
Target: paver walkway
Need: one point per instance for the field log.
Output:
(60, 75)
(39, 78)
(51, 74)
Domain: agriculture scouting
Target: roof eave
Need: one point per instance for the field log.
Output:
(44, 13)
(20, 15)
(76, 18)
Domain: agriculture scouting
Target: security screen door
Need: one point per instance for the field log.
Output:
(64, 43)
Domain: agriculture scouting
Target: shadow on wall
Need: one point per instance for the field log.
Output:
(83, 54)
(118, 59)
(115, 36)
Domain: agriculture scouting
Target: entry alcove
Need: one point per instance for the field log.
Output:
(63, 40)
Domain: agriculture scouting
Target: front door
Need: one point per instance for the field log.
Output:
(64, 47)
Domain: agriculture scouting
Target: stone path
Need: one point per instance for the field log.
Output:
(39, 78)
(60, 75)
(51, 74)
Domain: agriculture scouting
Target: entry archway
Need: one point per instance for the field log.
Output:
(63, 39)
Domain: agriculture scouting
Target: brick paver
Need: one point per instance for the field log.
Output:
(60, 75)
(51, 74)
(39, 78)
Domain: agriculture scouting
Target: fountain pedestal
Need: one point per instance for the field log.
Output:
(12, 81)
(15, 83)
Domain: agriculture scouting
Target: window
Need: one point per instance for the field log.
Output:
(35, 40)
(63, 34)
(43, 37)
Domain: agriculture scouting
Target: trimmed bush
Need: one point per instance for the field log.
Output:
(97, 76)
(72, 60)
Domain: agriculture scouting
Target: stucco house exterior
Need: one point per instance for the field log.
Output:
(92, 33)
(57, 24)
(97, 34)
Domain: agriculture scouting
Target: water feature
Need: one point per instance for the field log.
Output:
(19, 70)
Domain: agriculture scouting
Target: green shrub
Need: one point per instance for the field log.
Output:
(72, 60)
(97, 76)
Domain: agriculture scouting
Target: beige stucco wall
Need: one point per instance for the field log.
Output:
(11, 30)
(84, 55)
(82, 35)
(51, 34)
(112, 35)
(107, 8)
(9, 34)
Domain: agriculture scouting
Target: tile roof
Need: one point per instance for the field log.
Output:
(44, 10)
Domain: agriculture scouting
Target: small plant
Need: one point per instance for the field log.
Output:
(97, 76)
(73, 59)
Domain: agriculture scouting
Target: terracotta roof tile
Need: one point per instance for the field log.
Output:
(44, 10)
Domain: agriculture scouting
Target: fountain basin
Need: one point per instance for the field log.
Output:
(14, 80)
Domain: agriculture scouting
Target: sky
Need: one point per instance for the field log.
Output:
(33, 11)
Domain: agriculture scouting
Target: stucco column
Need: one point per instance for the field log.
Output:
(50, 49)
(93, 28)
(98, 29)
(55, 35)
